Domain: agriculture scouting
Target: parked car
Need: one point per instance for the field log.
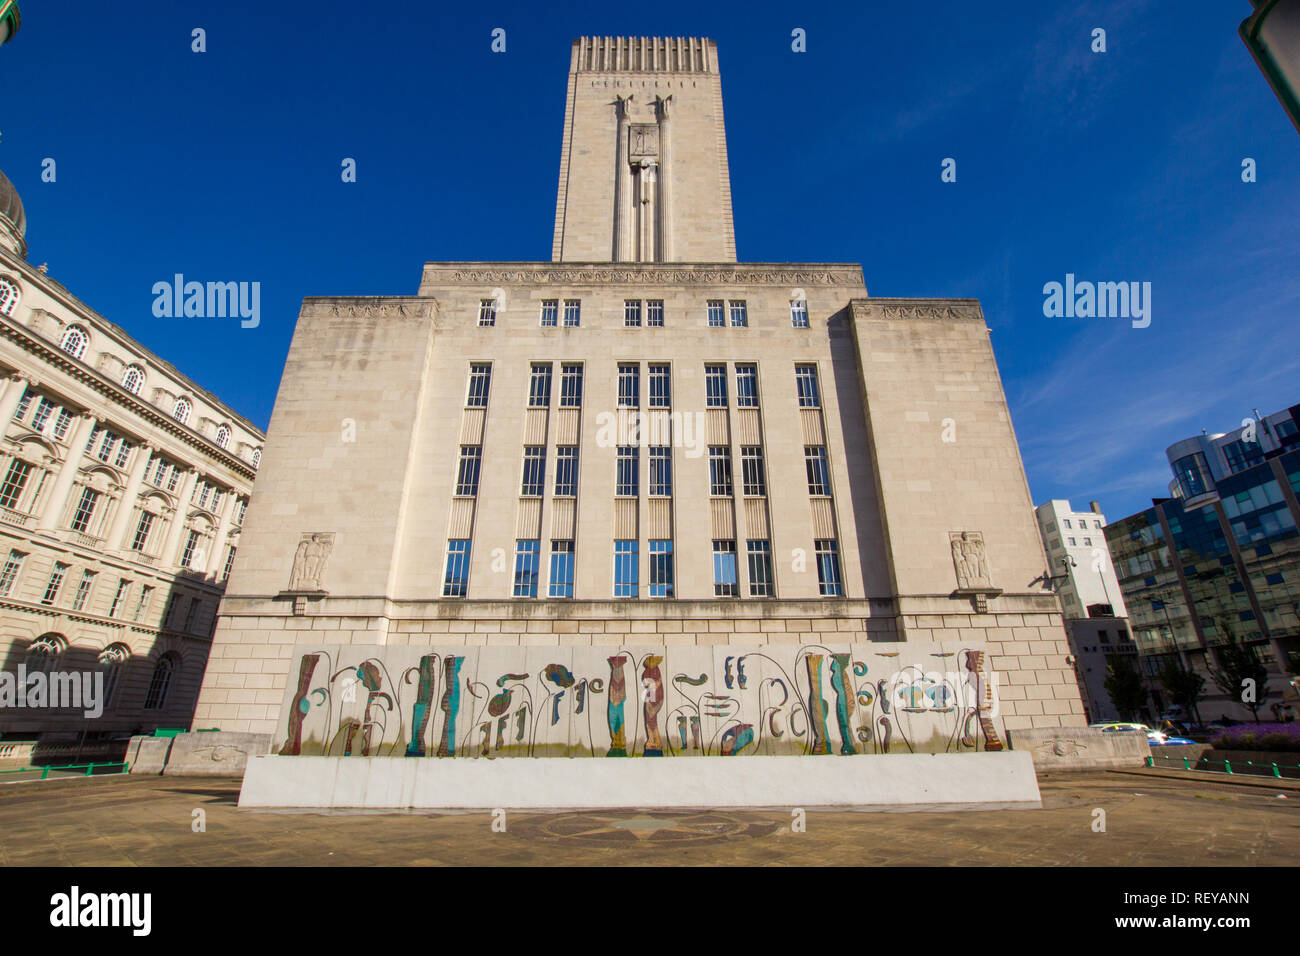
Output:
(1156, 738)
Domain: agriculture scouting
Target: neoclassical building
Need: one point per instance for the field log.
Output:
(641, 441)
(123, 487)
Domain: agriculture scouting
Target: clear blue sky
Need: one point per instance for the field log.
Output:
(1117, 166)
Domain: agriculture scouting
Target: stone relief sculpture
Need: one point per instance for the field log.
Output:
(970, 560)
(309, 561)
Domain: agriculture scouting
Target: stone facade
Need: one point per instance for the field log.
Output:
(919, 528)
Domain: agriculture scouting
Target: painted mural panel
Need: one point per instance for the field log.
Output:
(730, 701)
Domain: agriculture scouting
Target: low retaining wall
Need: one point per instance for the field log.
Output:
(1080, 748)
(207, 754)
(148, 755)
(977, 781)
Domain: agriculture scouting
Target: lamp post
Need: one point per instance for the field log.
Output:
(1272, 34)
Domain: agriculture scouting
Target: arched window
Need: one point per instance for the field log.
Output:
(160, 683)
(43, 653)
(133, 379)
(182, 410)
(9, 296)
(257, 457)
(111, 661)
(74, 341)
(223, 436)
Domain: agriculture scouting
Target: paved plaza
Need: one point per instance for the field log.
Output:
(1150, 820)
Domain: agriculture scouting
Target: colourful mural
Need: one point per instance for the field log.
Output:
(728, 701)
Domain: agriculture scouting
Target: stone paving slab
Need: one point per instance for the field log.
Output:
(1150, 821)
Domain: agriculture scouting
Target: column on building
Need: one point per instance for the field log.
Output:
(623, 201)
(212, 567)
(15, 388)
(171, 546)
(126, 505)
(48, 519)
(665, 195)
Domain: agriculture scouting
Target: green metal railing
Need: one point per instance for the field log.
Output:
(1248, 768)
(88, 767)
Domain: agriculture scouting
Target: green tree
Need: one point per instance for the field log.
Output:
(1184, 686)
(1242, 676)
(1124, 685)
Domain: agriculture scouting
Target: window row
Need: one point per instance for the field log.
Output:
(44, 655)
(719, 313)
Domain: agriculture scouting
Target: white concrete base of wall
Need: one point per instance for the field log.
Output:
(983, 781)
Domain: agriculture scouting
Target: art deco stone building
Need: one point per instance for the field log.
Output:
(642, 441)
(123, 487)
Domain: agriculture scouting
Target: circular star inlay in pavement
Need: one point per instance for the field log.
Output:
(627, 828)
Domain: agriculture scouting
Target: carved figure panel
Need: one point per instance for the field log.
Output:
(309, 561)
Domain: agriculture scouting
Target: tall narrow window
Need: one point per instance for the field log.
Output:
(480, 382)
(487, 312)
(717, 313)
(753, 482)
(142, 602)
(660, 387)
(632, 313)
(62, 423)
(11, 491)
(819, 475)
(55, 582)
(715, 385)
(9, 574)
(550, 313)
(572, 313)
(526, 558)
(230, 562)
(629, 385)
(724, 569)
(661, 569)
(190, 553)
(471, 459)
(123, 585)
(141, 537)
(456, 581)
(760, 569)
(746, 386)
(539, 388)
(566, 471)
(534, 478)
(828, 568)
(83, 590)
(192, 615)
(799, 313)
(123, 453)
(739, 314)
(571, 385)
(654, 313)
(626, 476)
(720, 471)
(561, 585)
(661, 470)
(85, 510)
(160, 683)
(805, 377)
(625, 569)
(42, 415)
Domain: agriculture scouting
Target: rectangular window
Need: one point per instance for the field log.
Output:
(534, 479)
(660, 386)
(43, 410)
(819, 476)
(106, 442)
(11, 491)
(571, 385)
(715, 385)
(739, 314)
(805, 377)
(487, 312)
(720, 471)
(799, 314)
(230, 562)
(629, 385)
(55, 582)
(572, 313)
(456, 581)
(661, 470)
(526, 558)
(62, 423)
(142, 603)
(550, 313)
(13, 564)
(725, 582)
(751, 470)
(828, 568)
(24, 403)
(122, 586)
(539, 388)
(142, 531)
(85, 510)
(626, 475)
(566, 471)
(661, 569)
(654, 313)
(191, 550)
(191, 615)
(760, 569)
(480, 381)
(471, 461)
(241, 511)
(83, 590)
(169, 615)
(632, 313)
(561, 585)
(717, 313)
(746, 386)
(625, 569)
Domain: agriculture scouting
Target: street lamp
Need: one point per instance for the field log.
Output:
(1272, 34)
